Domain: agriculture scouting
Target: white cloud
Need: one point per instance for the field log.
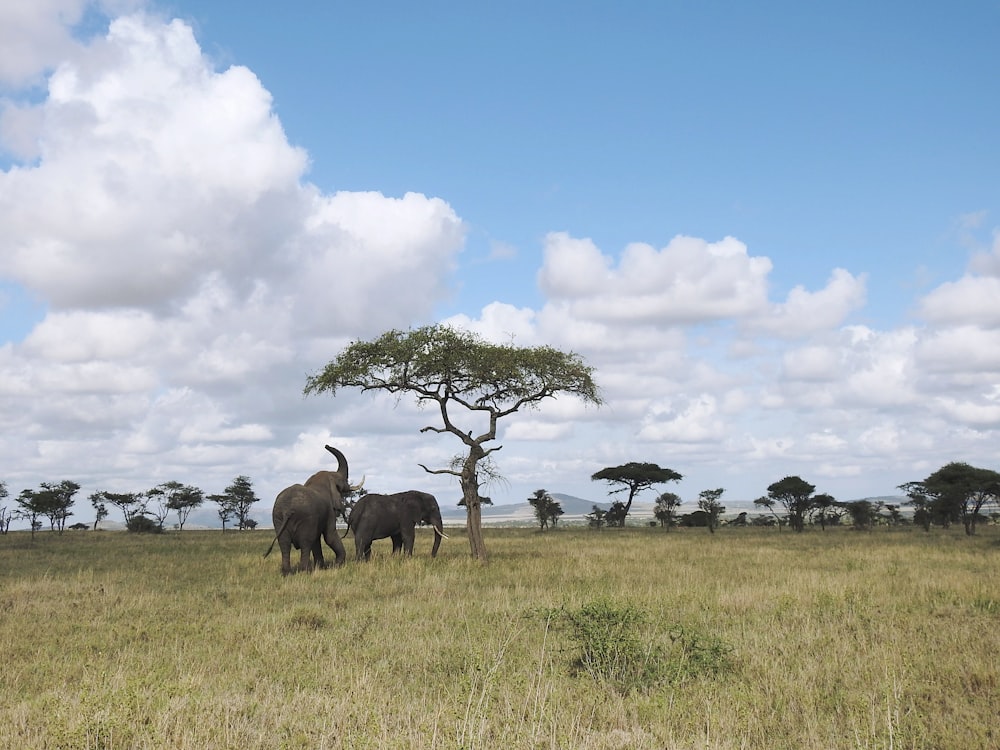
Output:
(972, 300)
(193, 278)
(688, 281)
(693, 420)
(34, 36)
(805, 312)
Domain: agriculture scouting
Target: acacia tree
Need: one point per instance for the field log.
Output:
(52, 501)
(708, 501)
(226, 510)
(174, 496)
(100, 508)
(665, 510)
(596, 517)
(5, 515)
(547, 508)
(131, 504)
(795, 494)
(960, 490)
(633, 478)
(241, 497)
(821, 504)
(463, 375)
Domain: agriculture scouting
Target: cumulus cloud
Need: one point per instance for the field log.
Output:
(804, 312)
(688, 281)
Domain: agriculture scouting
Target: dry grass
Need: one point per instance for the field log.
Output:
(192, 640)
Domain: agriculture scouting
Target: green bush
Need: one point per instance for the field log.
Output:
(140, 524)
(620, 645)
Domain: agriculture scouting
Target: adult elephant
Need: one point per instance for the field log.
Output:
(396, 516)
(305, 513)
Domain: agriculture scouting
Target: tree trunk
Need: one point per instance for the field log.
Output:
(473, 506)
(474, 525)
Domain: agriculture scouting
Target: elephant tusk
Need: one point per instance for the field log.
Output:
(440, 532)
(356, 487)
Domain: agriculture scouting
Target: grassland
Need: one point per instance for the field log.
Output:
(839, 639)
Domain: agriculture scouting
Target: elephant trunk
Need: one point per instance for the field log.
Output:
(342, 467)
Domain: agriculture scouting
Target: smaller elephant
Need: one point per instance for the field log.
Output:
(395, 516)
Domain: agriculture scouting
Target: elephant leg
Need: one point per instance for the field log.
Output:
(363, 548)
(397, 543)
(286, 556)
(334, 542)
(305, 563)
(317, 551)
(406, 539)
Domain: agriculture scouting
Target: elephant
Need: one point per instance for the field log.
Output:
(303, 513)
(380, 516)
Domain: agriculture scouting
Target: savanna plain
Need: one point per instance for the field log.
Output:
(571, 638)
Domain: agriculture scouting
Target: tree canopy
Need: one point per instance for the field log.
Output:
(547, 508)
(633, 478)
(463, 375)
(795, 494)
(955, 492)
(708, 501)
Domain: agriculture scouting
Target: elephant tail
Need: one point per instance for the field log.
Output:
(277, 534)
(347, 525)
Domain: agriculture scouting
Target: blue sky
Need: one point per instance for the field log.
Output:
(203, 204)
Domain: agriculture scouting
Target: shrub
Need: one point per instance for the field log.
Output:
(140, 524)
(620, 645)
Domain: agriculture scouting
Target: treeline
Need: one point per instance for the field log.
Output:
(143, 511)
(955, 493)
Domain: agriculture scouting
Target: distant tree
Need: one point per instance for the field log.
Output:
(30, 508)
(181, 498)
(129, 503)
(708, 501)
(52, 501)
(461, 375)
(547, 509)
(242, 498)
(100, 508)
(697, 518)
(227, 511)
(615, 515)
(863, 513)
(5, 514)
(920, 501)
(633, 478)
(595, 519)
(795, 495)
(822, 505)
(964, 491)
(665, 509)
(141, 523)
(156, 506)
(893, 516)
(767, 503)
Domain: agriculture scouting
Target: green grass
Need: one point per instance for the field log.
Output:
(840, 639)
